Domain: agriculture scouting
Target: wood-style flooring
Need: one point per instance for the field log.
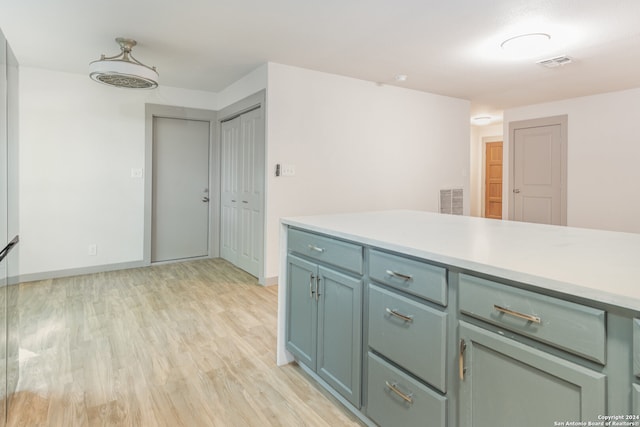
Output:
(183, 344)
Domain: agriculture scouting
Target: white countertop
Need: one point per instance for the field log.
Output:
(593, 264)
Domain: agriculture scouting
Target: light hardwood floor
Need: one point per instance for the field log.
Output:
(184, 344)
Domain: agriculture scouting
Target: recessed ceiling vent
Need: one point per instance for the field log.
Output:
(556, 62)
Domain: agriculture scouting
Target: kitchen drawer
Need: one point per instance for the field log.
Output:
(572, 327)
(416, 342)
(341, 254)
(636, 347)
(411, 404)
(416, 277)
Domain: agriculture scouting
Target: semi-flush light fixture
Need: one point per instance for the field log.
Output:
(123, 70)
(525, 45)
(481, 120)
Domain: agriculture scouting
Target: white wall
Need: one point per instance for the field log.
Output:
(476, 150)
(603, 157)
(252, 83)
(78, 143)
(358, 146)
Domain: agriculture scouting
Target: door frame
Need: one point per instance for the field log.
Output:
(563, 121)
(485, 141)
(251, 102)
(172, 112)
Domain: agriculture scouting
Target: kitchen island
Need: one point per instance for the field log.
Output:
(560, 301)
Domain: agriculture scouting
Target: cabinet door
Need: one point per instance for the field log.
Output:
(340, 333)
(302, 310)
(507, 383)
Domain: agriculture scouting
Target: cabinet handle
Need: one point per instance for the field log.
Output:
(315, 248)
(394, 388)
(317, 287)
(529, 317)
(407, 319)
(311, 280)
(399, 275)
(461, 368)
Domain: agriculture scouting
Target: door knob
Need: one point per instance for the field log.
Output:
(516, 190)
(205, 199)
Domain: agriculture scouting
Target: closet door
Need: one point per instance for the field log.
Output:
(251, 183)
(242, 168)
(229, 182)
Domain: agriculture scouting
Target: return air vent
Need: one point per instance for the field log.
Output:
(556, 62)
(451, 201)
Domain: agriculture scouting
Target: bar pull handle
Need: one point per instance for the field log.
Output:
(395, 313)
(394, 388)
(315, 248)
(317, 287)
(529, 317)
(399, 275)
(311, 290)
(461, 368)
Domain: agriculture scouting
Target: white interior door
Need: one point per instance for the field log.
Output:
(229, 182)
(242, 192)
(251, 191)
(538, 175)
(180, 219)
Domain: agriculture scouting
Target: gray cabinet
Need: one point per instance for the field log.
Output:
(445, 347)
(397, 399)
(504, 382)
(407, 341)
(324, 323)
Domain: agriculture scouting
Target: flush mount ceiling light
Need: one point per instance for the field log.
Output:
(481, 120)
(525, 45)
(123, 70)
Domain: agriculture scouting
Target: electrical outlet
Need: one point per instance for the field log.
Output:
(93, 249)
(288, 170)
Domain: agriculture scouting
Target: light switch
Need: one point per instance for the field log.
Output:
(136, 172)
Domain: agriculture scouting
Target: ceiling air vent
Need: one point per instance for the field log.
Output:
(556, 62)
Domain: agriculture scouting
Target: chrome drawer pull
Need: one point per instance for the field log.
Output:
(399, 275)
(461, 368)
(408, 319)
(315, 248)
(394, 388)
(311, 280)
(529, 317)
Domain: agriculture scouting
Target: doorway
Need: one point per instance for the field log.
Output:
(180, 213)
(181, 185)
(538, 190)
(242, 159)
(493, 180)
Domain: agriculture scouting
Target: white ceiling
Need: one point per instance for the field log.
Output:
(448, 47)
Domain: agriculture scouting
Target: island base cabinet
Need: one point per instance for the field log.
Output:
(324, 324)
(396, 399)
(505, 383)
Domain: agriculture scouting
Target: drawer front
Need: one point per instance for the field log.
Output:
(418, 278)
(396, 399)
(409, 333)
(572, 327)
(342, 254)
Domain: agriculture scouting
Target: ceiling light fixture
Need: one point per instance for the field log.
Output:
(123, 70)
(524, 45)
(482, 120)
